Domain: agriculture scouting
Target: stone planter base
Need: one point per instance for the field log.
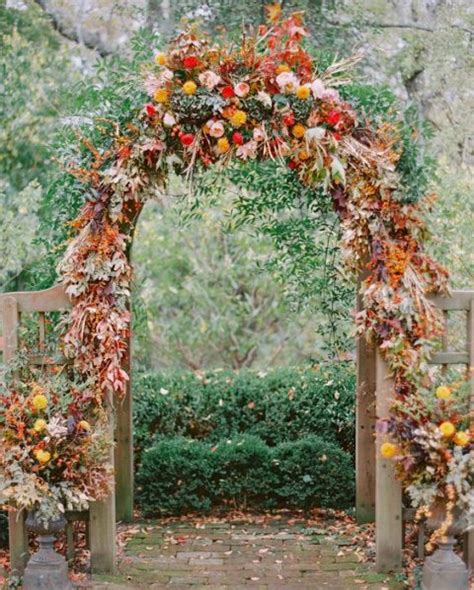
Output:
(46, 569)
(444, 570)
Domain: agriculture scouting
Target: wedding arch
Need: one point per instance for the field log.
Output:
(208, 105)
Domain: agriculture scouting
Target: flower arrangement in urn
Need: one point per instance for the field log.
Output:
(434, 456)
(54, 446)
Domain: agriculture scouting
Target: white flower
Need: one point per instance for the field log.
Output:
(288, 82)
(264, 98)
(248, 150)
(242, 89)
(315, 134)
(169, 120)
(209, 79)
(320, 91)
(216, 128)
(164, 391)
(258, 134)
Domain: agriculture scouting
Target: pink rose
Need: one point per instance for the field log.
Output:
(241, 89)
(209, 79)
(216, 128)
(288, 82)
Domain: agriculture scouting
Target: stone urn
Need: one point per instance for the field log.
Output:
(46, 569)
(444, 569)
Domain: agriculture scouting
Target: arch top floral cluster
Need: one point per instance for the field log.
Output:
(211, 104)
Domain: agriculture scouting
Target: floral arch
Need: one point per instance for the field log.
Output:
(264, 99)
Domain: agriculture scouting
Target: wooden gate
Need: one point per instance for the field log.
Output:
(379, 495)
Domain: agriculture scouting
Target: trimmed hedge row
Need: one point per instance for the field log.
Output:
(279, 406)
(180, 475)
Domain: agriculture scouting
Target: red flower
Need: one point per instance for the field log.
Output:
(238, 138)
(186, 139)
(289, 120)
(150, 110)
(333, 118)
(292, 164)
(337, 136)
(190, 62)
(227, 92)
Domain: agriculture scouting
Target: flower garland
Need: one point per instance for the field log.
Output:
(266, 99)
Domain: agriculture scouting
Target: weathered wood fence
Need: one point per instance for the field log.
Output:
(379, 495)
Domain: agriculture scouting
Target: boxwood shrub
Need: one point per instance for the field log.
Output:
(279, 406)
(180, 475)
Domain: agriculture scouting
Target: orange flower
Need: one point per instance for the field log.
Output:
(443, 392)
(388, 450)
(39, 425)
(461, 439)
(39, 402)
(160, 58)
(42, 456)
(161, 95)
(238, 118)
(223, 145)
(447, 429)
(303, 92)
(298, 130)
(189, 87)
(282, 68)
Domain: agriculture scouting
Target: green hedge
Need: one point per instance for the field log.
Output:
(181, 475)
(279, 406)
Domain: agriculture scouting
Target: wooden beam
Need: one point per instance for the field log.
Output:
(102, 520)
(388, 491)
(457, 301)
(124, 449)
(365, 427)
(449, 358)
(469, 537)
(18, 538)
(53, 299)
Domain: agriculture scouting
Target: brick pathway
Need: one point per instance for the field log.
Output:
(230, 556)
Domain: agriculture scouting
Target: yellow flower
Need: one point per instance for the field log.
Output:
(282, 68)
(303, 92)
(42, 456)
(39, 425)
(161, 95)
(223, 145)
(160, 58)
(447, 429)
(443, 392)
(189, 87)
(84, 425)
(388, 450)
(461, 439)
(298, 130)
(40, 402)
(238, 118)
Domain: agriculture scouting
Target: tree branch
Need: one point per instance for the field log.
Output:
(89, 40)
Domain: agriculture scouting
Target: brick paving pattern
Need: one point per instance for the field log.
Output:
(240, 557)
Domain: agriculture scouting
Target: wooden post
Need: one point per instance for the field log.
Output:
(388, 493)
(18, 538)
(124, 479)
(124, 449)
(469, 537)
(365, 426)
(102, 523)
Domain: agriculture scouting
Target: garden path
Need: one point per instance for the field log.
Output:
(220, 555)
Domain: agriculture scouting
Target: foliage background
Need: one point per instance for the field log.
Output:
(206, 296)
